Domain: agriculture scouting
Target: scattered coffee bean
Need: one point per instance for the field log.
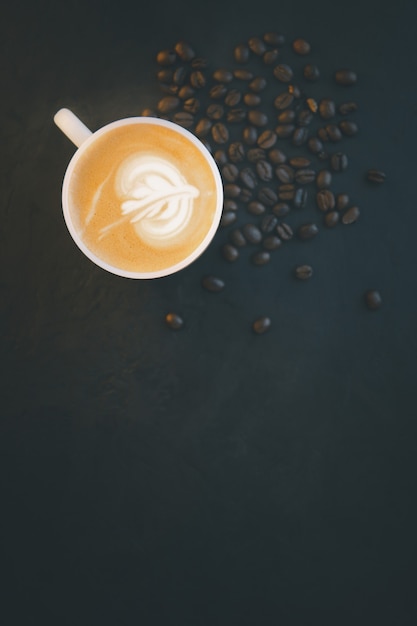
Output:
(307, 231)
(165, 75)
(286, 117)
(323, 179)
(301, 46)
(312, 105)
(334, 133)
(230, 253)
(197, 79)
(218, 92)
(281, 209)
(304, 117)
(300, 198)
(233, 97)
(252, 233)
(236, 152)
(199, 63)
(300, 136)
(270, 56)
(345, 77)
(342, 201)
(167, 104)
(311, 72)
(203, 127)
(267, 139)
(303, 272)
(230, 172)
(184, 119)
(272, 242)
(285, 173)
(262, 257)
(241, 53)
(257, 118)
(191, 105)
(348, 128)
(331, 218)
(184, 51)
(250, 135)
(220, 133)
(264, 170)
(223, 75)
(314, 145)
(325, 200)
(148, 113)
(299, 162)
(268, 223)
(237, 238)
(166, 57)
(274, 39)
(339, 162)
(257, 45)
(174, 321)
(304, 176)
(276, 156)
(283, 73)
(215, 111)
(256, 208)
(294, 90)
(256, 154)
(376, 176)
(248, 178)
(251, 99)
(351, 215)
(180, 75)
(373, 299)
(261, 325)
(267, 196)
(327, 108)
(284, 130)
(231, 190)
(212, 283)
(230, 205)
(258, 84)
(286, 192)
(243, 74)
(347, 107)
(284, 231)
(234, 116)
(283, 101)
(245, 195)
(228, 218)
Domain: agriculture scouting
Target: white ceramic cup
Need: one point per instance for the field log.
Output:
(82, 137)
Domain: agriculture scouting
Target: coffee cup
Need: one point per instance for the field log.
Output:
(142, 197)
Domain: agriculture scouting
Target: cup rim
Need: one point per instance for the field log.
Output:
(172, 269)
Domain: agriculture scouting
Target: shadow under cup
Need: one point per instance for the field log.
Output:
(142, 197)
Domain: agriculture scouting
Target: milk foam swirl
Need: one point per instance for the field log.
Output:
(156, 197)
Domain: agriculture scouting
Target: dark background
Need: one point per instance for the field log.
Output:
(208, 476)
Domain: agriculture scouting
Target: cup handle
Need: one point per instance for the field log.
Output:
(72, 127)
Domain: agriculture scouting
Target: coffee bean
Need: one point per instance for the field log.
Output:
(333, 132)
(267, 196)
(347, 107)
(267, 139)
(170, 89)
(251, 99)
(331, 219)
(227, 218)
(300, 198)
(248, 178)
(199, 63)
(304, 117)
(223, 75)
(203, 127)
(252, 233)
(148, 113)
(256, 208)
(231, 190)
(268, 223)
(323, 179)
(339, 162)
(230, 172)
(301, 46)
(286, 117)
(230, 205)
(166, 57)
(256, 154)
(215, 111)
(272, 242)
(274, 39)
(286, 192)
(220, 133)
(197, 79)
(174, 321)
(237, 238)
(167, 104)
(270, 56)
(311, 72)
(284, 130)
(300, 136)
(243, 74)
(283, 73)
(299, 162)
(305, 176)
(373, 299)
(220, 157)
(314, 145)
(165, 75)
(327, 108)
(264, 170)
(283, 101)
(284, 231)
(323, 134)
(345, 77)
(295, 91)
(351, 215)
(258, 84)
(229, 252)
(180, 75)
(236, 152)
(217, 92)
(257, 46)
(348, 128)
(325, 200)
(277, 156)
(250, 135)
(307, 231)
(257, 118)
(342, 201)
(191, 105)
(303, 272)
(233, 97)
(285, 173)
(184, 51)
(241, 53)
(184, 119)
(376, 176)
(312, 105)
(281, 209)
(234, 116)
(212, 283)
(261, 325)
(262, 257)
(245, 195)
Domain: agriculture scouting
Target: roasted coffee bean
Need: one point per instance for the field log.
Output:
(272, 242)
(184, 51)
(250, 135)
(286, 117)
(256, 154)
(257, 46)
(301, 46)
(348, 128)
(171, 89)
(283, 101)
(267, 196)
(268, 223)
(197, 79)
(203, 127)
(281, 209)
(351, 215)
(312, 105)
(199, 63)
(234, 116)
(166, 57)
(223, 75)
(276, 156)
(345, 77)
(285, 173)
(342, 201)
(323, 134)
(227, 218)
(285, 231)
(347, 107)
(230, 172)
(323, 179)
(305, 176)
(233, 97)
(270, 56)
(267, 139)
(257, 118)
(331, 219)
(256, 208)
(180, 75)
(300, 198)
(230, 205)
(186, 92)
(373, 299)
(218, 92)
(262, 257)
(314, 145)
(236, 152)
(148, 113)
(174, 321)
(248, 178)
(299, 162)
(165, 75)
(237, 238)
(376, 176)
(300, 136)
(241, 53)
(307, 231)
(246, 195)
(333, 132)
(215, 111)
(261, 325)
(286, 192)
(184, 119)
(220, 157)
(311, 72)
(327, 108)
(231, 190)
(251, 99)
(303, 272)
(284, 130)
(252, 233)
(264, 170)
(229, 252)
(191, 105)
(258, 84)
(295, 91)
(243, 74)
(283, 72)
(304, 117)
(325, 200)
(274, 39)
(339, 162)
(212, 283)
(167, 104)
(220, 133)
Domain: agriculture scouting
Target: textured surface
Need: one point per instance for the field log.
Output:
(209, 476)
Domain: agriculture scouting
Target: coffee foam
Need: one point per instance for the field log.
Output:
(142, 197)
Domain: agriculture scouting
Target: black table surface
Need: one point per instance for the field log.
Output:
(209, 476)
